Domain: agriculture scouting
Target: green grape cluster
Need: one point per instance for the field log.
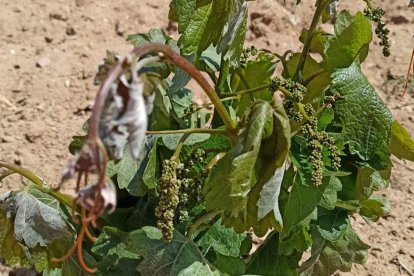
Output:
(296, 94)
(246, 54)
(381, 31)
(329, 100)
(168, 188)
(191, 186)
(317, 140)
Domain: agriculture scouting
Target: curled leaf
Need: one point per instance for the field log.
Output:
(124, 118)
(89, 196)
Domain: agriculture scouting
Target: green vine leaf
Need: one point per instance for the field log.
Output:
(224, 240)
(402, 145)
(157, 257)
(171, 140)
(351, 41)
(137, 176)
(328, 257)
(364, 118)
(267, 260)
(375, 208)
(304, 199)
(198, 269)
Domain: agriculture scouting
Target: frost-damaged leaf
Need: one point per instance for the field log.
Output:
(328, 257)
(224, 240)
(198, 269)
(353, 35)
(402, 145)
(124, 118)
(267, 260)
(363, 116)
(157, 256)
(232, 178)
(35, 223)
(32, 231)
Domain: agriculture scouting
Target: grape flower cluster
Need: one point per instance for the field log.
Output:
(296, 94)
(317, 140)
(168, 188)
(191, 186)
(178, 191)
(246, 54)
(381, 30)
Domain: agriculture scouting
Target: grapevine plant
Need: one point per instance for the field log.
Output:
(288, 148)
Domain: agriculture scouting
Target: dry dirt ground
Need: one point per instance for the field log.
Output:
(49, 51)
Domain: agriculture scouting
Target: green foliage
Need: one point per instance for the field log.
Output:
(209, 177)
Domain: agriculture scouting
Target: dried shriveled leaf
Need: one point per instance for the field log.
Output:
(88, 196)
(124, 118)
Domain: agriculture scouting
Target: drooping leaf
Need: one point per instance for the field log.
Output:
(222, 239)
(265, 193)
(236, 169)
(158, 256)
(328, 257)
(402, 145)
(268, 261)
(364, 118)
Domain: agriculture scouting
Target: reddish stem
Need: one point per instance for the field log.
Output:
(407, 81)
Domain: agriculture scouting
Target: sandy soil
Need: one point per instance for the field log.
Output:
(49, 51)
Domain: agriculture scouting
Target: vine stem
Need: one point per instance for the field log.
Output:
(189, 131)
(201, 220)
(315, 20)
(176, 156)
(39, 182)
(170, 55)
(407, 81)
(247, 91)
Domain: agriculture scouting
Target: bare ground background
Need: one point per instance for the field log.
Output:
(49, 51)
